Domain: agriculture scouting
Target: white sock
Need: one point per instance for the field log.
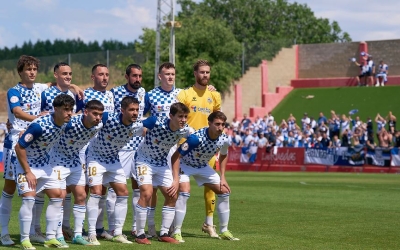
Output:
(121, 208)
(141, 216)
(53, 217)
(37, 212)
(111, 199)
(92, 208)
(151, 211)
(209, 220)
(135, 198)
(223, 211)
(180, 211)
(59, 232)
(25, 216)
(5, 212)
(168, 214)
(79, 218)
(67, 211)
(102, 209)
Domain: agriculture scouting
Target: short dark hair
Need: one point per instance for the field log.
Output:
(97, 66)
(200, 63)
(178, 107)
(63, 100)
(127, 100)
(94, 105)
(27, 60)
(216, 115)
(130, 66)
(60, 64)
(166, 65)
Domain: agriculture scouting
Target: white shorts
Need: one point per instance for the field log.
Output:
(46, 179)
(10, 161)
(70, 176)
(156, 176)
(99, 173)
(127, 159)
(201, 175)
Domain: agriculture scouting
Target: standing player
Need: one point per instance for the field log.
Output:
(195, 153)
(66, 162)
(202, 103)
(104, 166)
(100, 77)
(152, 169)
(33, 174)
(133, 75)
(23, 106)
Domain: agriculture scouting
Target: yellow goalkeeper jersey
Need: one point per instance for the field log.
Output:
(201, 104)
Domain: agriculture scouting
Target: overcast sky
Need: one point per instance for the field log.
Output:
(123, 20)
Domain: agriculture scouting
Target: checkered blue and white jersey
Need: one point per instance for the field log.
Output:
(159, 140)
(119, 93)
(38, 139)
(122, 91)
(199, 148)
(48, 97)
(106, 98)
(28, 99)
(112, 138)
(75, 137)
(159, 101)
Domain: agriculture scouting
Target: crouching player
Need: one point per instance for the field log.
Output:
(195, 154)
(66, 162)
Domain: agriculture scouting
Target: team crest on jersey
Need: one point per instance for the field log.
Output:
(109, 137)
(209, 100)
(90, 180)
(156, 141)
(185, 146)
(141, 178)
(198, 155)
(14, 99)
(45, 144)
(28, 137)
(71, 142)
(22, 187)
(10, 173)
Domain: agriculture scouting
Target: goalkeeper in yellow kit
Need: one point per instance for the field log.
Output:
(202, 102)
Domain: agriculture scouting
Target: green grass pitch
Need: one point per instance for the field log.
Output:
(288, 211)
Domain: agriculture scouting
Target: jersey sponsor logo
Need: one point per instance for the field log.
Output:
(14, 99)
(30, 106)
(28, 137)
(193, 108)
(185, 146)
(202, 110)
(162, 108)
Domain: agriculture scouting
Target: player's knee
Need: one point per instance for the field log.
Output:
(80, 197)
(9, 187)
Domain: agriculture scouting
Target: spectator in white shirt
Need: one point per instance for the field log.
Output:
(304, 121)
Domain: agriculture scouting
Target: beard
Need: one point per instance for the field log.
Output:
(135, 85)
(203, 81)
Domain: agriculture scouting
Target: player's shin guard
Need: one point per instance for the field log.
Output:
(135, 198)
(25, 216)
(180, 211)
(111, 200)
(93, 212)
(5, 212)
(67, 211)
(209, 198)
(53, 217)
(141, 216)
(223, 211)
(121, 208)
(59, 232)
(79, 218)
(168, 214)
(37, 212)
(102, 209)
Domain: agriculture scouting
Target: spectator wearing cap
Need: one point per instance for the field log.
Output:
(304, 121)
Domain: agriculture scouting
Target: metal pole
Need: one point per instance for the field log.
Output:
(242, 59)
(158, 30)
(108, 58)
(172, 34)
(69, 58)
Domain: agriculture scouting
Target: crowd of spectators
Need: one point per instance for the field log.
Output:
(324, 132)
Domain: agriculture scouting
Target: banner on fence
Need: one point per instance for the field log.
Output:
(378, 156)
(395, 157)
(344, 156)
(277, 156)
